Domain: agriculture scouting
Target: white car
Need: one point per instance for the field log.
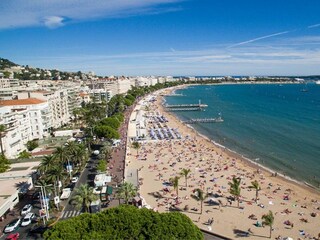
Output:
(13, 225)
(74, 179)
(27, 219)
(26, 209)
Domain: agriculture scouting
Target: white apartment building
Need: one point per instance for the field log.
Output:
(99, 95)
(37, 111)
(58, 105)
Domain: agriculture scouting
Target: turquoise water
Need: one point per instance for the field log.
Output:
(279, 126)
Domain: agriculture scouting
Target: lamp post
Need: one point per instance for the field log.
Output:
(43, 197)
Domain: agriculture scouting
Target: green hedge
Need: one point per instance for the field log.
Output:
(126, 222)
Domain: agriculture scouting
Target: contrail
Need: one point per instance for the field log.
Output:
(259, 38)
(314, 26)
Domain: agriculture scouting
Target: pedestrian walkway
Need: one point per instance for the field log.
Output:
(69, 214)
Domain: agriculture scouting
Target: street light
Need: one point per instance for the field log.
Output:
(43, 196)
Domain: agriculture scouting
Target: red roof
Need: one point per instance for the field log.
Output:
(28, 101)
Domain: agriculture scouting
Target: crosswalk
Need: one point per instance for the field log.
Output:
(69, 214)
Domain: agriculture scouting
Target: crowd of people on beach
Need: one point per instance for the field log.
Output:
(211, 170)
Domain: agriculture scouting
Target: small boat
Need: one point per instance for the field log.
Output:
(318, 82)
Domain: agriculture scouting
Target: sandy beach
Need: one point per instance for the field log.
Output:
(296, 207)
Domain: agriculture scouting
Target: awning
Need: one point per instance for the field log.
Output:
(109, 190)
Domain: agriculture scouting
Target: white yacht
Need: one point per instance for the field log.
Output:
(318, 82)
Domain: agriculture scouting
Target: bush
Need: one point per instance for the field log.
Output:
(126, 222)
(32, 145)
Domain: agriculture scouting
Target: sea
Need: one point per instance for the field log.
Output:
(275, 125)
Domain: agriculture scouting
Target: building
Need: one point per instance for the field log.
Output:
(14, 183)
(24, 119)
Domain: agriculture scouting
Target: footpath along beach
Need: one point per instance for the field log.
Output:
(296, 207)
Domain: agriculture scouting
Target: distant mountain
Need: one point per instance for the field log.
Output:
(5, 63)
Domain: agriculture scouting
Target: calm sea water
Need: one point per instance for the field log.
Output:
(279, 126)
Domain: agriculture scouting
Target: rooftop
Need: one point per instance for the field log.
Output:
(17, 102)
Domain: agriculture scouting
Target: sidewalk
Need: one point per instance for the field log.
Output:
(118, 156)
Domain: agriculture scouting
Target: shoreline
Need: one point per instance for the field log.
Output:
(155, 166)
(235, 154)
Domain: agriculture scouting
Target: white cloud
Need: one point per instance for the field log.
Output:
(53, 21)
(22, 13)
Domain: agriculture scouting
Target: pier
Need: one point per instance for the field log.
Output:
(184, 109)
(197, 105)
(172, 95)
(204, 120)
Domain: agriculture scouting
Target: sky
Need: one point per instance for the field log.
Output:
(164, 37)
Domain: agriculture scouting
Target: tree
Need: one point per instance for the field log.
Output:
(4, 163)
(55, 174)
(126, 222)
(268, 220)
(101, 167)
(136, 145)
(200, 196)
(111, 122)
(235, 188)
(185, 173)
(175, 184)
(24, 155)
(106, 132)
(84, 196)
(126, 191)
(2, 131)
(32, 145)
(46, 163)
(255, 185)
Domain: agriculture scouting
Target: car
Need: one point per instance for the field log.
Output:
(38, 229)
(26, 209)
(74, 179)
(27, 219)
(13, 225)
(71, 186)
(13, 236)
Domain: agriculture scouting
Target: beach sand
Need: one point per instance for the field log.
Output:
(212, 167)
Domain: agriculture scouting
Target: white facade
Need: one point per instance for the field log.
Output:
(25, 120)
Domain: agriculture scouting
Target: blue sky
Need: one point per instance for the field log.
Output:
(164, 37)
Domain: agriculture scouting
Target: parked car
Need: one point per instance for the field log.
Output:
(74, 179)
(27, 219)
(26, 209)
(36, 195)
(13, 236)
(38, 229)
(13, 225)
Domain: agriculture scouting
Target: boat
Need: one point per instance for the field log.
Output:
(318, 82)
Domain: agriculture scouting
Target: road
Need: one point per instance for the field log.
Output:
(86, 177)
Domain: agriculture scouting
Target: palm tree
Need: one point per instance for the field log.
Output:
(175, 183)
(55, 174)
(2, 131)
(268, 220)
(200, 196)
(136, 145)
(255, 185)
(235, 188)
(24, 155)
(84, 196)
(127, 191)
(185, 173)
(62, 155)
(106, 151)
(47, 162)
